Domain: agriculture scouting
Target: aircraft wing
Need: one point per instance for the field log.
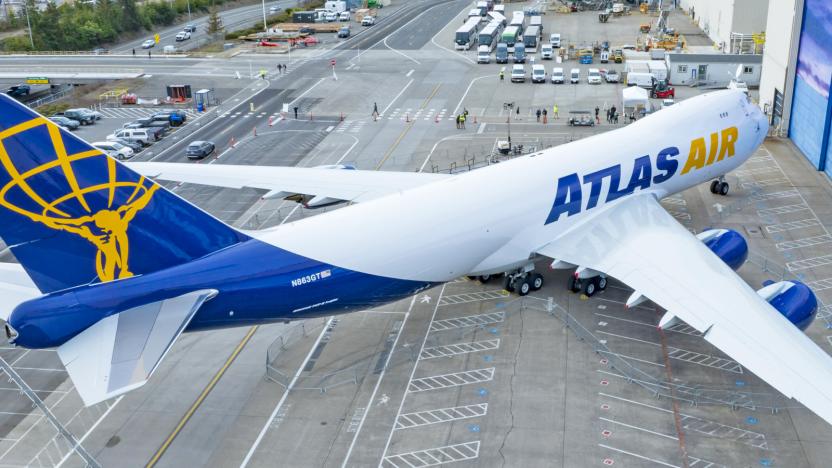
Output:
(119, 353)
(347, 185)
(639, 243)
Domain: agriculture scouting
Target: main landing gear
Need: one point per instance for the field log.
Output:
(719, 186)
(588, 286)
(522, 281)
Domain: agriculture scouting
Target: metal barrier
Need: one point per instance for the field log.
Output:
(51, 97)
(692, 394)
(329, 381)
(280, 344)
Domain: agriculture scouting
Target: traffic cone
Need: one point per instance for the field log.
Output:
(407, 117)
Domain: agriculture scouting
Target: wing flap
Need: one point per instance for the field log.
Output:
(348, 185)
(639, 243)
(120, 353)
(15, 287)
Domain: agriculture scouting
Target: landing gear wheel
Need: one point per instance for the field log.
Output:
(715, 187)
(508, 284)
(590, 288)
(484, 278)
(537, 281)
(602, 283)
(524, 287)
(723, 188)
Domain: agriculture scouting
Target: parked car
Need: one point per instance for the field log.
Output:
(135, 146)
(84, 118)
(143, 136)
(183, 36)
(175, 117)
(190, 27)
(65, 122)
(344, 16)
(148, 122)
(114, 149)
(19, 90)
(518, 74)
(199, 149)
(344, 32)
(368, 21)
(612, 76)
(150, 43)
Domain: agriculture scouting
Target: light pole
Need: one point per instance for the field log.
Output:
(29, 25)
(189, 11)
(265, 26)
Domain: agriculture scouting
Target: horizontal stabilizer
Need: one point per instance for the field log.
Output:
(119, 353)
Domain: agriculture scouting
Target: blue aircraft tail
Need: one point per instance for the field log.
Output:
(74, 216)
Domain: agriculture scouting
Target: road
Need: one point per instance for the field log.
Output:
(233, 19)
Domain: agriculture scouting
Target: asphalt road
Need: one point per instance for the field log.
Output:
(233, 19)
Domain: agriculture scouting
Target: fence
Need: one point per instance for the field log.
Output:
(278, 346)
(51, 97)
(694, 395)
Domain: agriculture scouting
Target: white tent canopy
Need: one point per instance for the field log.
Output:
(634, 97)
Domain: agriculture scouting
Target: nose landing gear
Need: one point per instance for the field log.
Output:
(719, 186)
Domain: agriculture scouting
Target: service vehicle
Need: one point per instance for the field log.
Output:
(557, 75)
(612, 76)
(490, 35)
(618, 56)
(554, 39)
(518, 74)
(538, 73)
(519, 53)
(466, 35)
(547, 52)
(511, 35)
(344, 16)
(593, 76)
(604, 57)
(199, 149)
(640, 79)
(474, 13)
(148, 44)
(331, 17)
(585, 56)
(662, 90)
(575, 76)
(501, 56)
(182, 36)
(368, 21)
(531, 36)
(581, 119)
(483, 54)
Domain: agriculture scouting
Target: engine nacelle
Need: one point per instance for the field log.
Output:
(727, 244)
(793, 299)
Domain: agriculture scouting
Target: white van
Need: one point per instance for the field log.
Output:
(538, 74)
(641, 79)
(593, 76)
(554, 39)
(483, 54)
(547, 52)
(557, 75)
(518, 74)
(575, 75)
(138, 135)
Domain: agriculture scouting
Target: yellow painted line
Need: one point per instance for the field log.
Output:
(406, 129)
(201, 398)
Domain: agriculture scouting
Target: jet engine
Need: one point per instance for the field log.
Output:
(793, 299)
(727, 244)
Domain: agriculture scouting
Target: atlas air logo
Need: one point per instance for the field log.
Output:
(97, 209)
(572, 188)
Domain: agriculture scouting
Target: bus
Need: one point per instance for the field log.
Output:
(537, 21)
(467, 34)
(510, 36)
(531, 35)
(517, 19)
(490, 35)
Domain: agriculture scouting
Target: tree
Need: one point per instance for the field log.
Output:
(130, 19)
(214, 22)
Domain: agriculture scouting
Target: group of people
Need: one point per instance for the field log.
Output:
(281, 68)
(460, 119)
(544, 113)
(612, 115)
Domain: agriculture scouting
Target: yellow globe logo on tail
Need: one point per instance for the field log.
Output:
(104, 227)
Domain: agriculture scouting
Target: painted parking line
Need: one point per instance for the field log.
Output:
(473, 297)
(434, 456)
(679, 328)
(766, 182)
(783, 209)
(441, 415)
(468, 321)
(775, 195)
(459, 348)
(637, 428)
(821, 285)
(685, 355)
(792, 225)
(805, 242)
(806, 263)
(455, 379)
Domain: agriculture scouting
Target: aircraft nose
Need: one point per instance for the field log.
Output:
(761, 121)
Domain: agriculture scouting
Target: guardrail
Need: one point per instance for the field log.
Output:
(51, 97)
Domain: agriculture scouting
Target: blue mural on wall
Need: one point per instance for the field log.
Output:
(811, 89)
